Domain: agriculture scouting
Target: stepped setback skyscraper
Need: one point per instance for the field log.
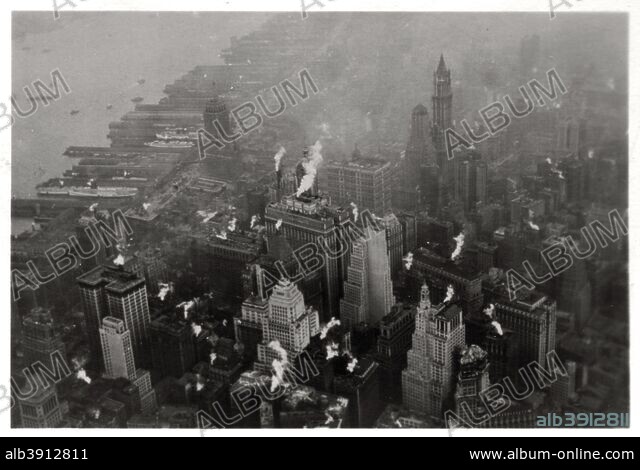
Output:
(429, 380)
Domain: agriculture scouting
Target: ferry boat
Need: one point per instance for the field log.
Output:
(177, 134)
(173, 144)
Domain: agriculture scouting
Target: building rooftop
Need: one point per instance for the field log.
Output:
(116, 280)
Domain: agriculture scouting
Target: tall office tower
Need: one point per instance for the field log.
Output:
(289, 322)
(306, 220)
(471, 182)
(117, 349)
(411, 187)
(532, 318)
(42, 410)
(409, 224)
(366, 182)
(574, 172)
(172, 346)
(248, 327)
(564, 389)
(570, 135)
(119, 361)
(442, 101)
(574, 293)
(429, 379)
(368, 291)
(394, 342)
(40, 339)
(154, 268)
(473, 379)
(395, 242)
(113, 292)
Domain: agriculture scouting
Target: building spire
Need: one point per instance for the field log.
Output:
(442, 66)
(425, 299)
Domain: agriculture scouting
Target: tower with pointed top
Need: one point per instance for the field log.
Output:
(428, 382)
(442, 102)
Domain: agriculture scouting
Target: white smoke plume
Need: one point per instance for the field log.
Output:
(351, 367)
(279, 365)
(199, 385)
(254, 220)
(222, 235)
(490, 311)
(212, 358)
(450, 293)
(146, 206)
(325, 330)
(459, 245)
(311, 168)
(93, 207)
(119, 261)
(356, 211)
(82, 375)
(165, 289)
(278, 225)
(278, 158)
(233, 223)
(498, 328)
(592, 154)
(186, 307)
(408, 261)
(196, 329)
(333, 351)
(554, 169)
(329, 420)
(530, 221)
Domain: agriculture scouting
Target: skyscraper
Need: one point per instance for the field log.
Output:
(532, 318)
(305, 220)
(442, 101)
(366, 182)
(368, 291)
(42, 410)
(394, 342)
(119, 361)
(471, 181)
(473, 378)
(39, 338)
(429, 380)
(172, 346)
(108, 291)
(289, 323)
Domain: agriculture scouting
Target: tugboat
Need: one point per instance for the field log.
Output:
(74, 112)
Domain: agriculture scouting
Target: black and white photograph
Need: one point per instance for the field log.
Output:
(319, 218)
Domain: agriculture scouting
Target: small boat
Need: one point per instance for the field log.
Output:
(142, 81)
(109, 106)
(137, 99)
(74, 112)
